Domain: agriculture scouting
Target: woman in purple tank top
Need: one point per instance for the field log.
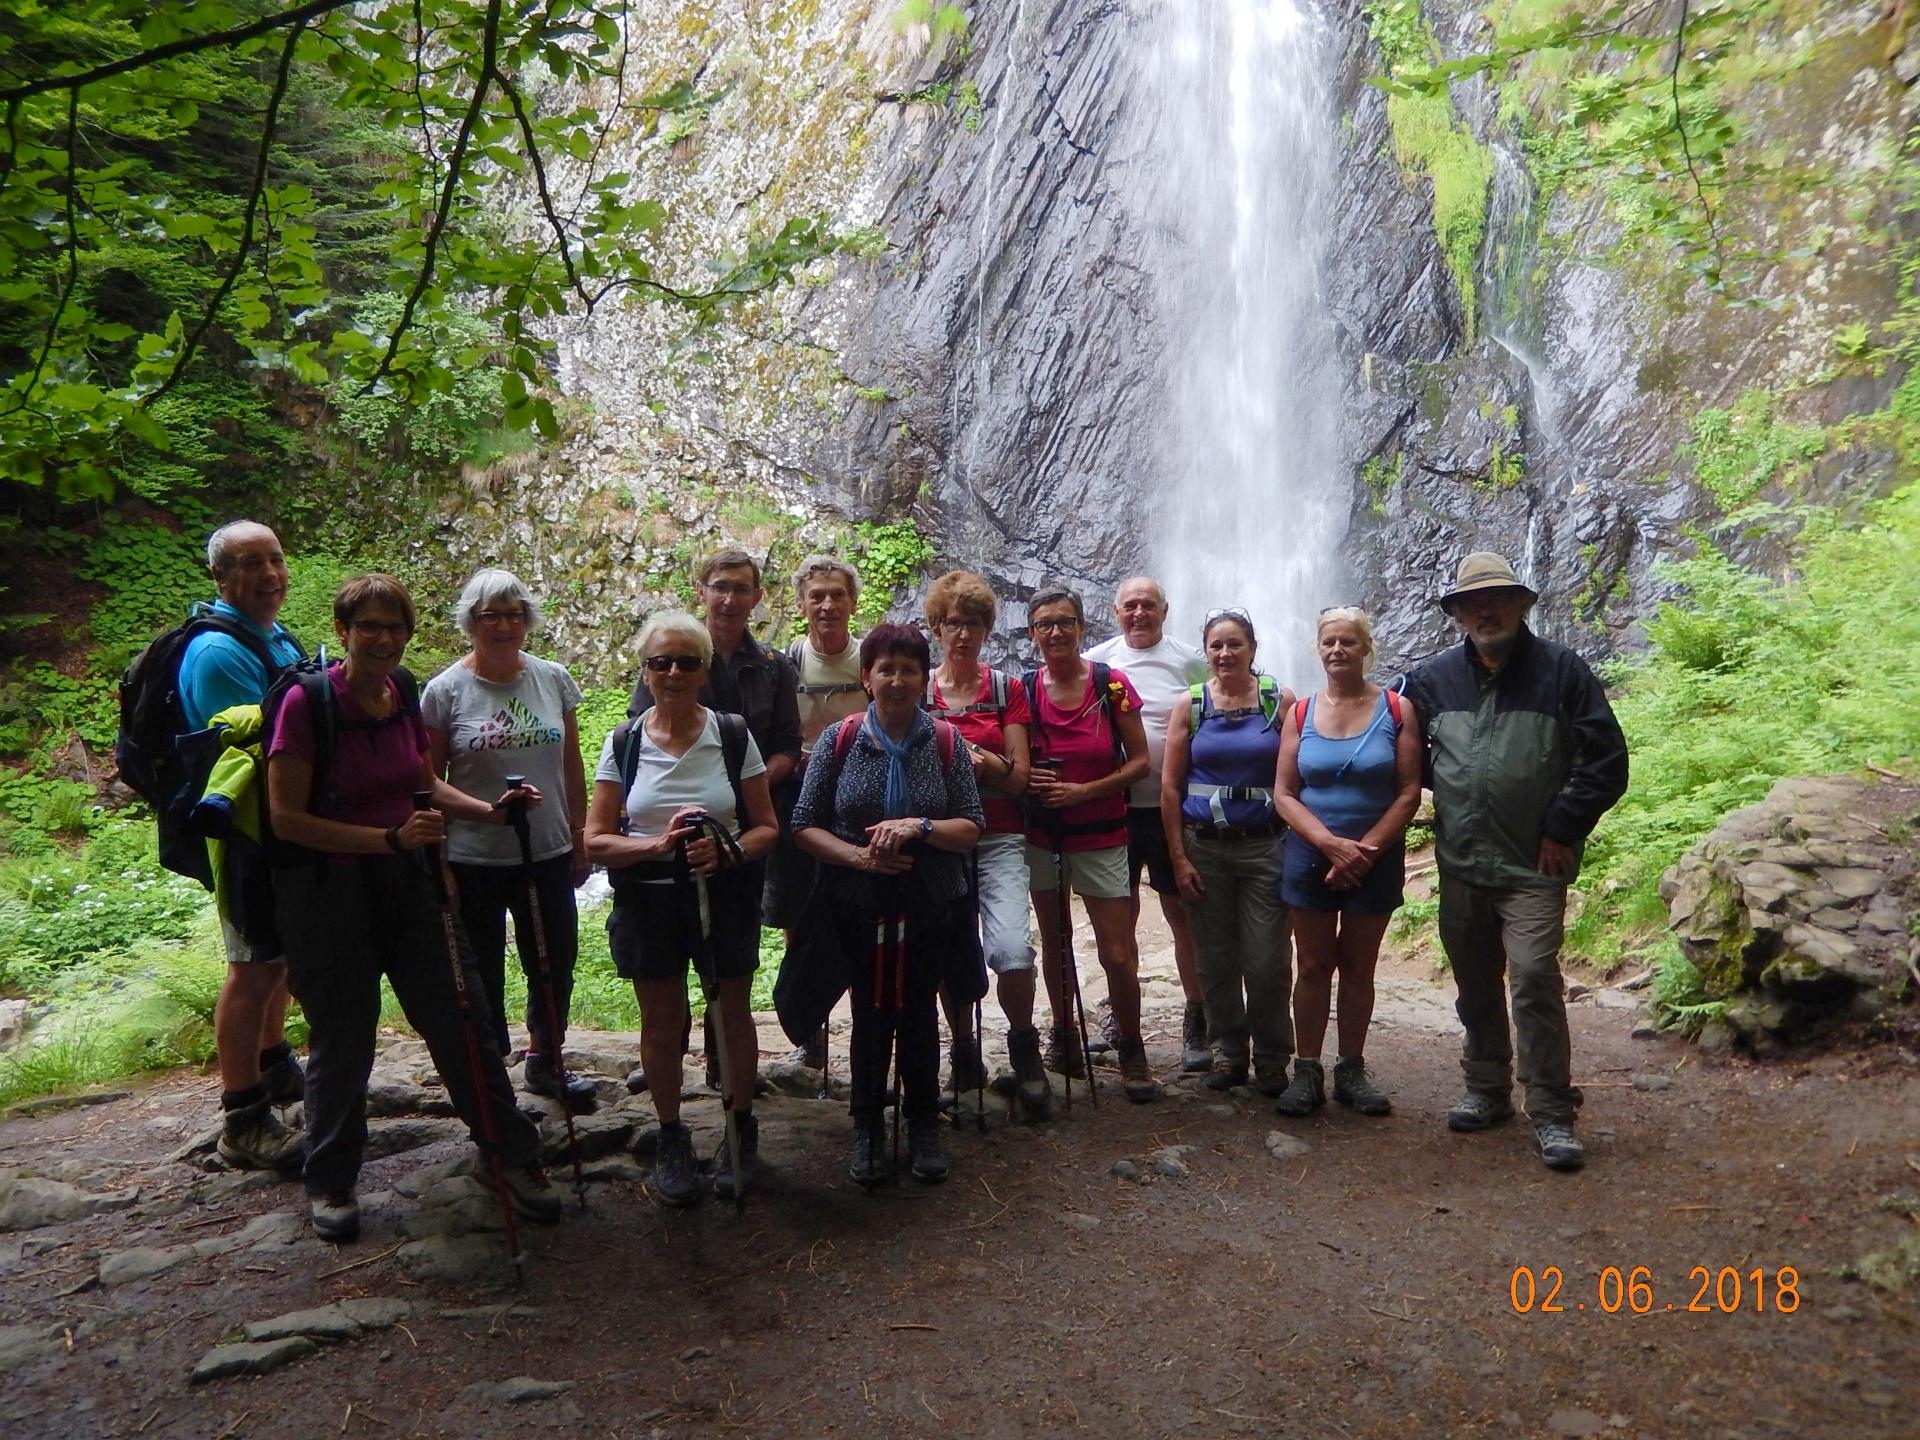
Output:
(1348, 782)
(1216, 807)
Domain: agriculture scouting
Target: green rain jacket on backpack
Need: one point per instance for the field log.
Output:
(232, 816)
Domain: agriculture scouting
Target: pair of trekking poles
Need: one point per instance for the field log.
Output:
(463, 1003)
(1063, 917)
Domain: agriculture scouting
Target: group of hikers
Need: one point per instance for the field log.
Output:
(908, 824)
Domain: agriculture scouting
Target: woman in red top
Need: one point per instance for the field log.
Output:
(1088, 748)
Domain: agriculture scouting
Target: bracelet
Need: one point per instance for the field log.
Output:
(393, 838)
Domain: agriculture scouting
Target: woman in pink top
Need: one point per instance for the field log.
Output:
(1089, 745)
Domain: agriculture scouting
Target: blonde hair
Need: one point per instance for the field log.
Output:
(1349, 614)
(680, 625)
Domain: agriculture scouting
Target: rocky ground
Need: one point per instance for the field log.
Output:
(1194, 1266)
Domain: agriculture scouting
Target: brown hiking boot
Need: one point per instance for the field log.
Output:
(1030, 1075)
(253, 1138)
(1063, 1055)
(1136, 1075)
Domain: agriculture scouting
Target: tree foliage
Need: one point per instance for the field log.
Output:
(171, 194)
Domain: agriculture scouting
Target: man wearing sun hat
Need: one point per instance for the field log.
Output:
(1524, 757)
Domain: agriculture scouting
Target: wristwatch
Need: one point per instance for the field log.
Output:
(926, 827)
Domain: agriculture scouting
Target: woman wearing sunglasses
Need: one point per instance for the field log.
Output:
(1347, 783)
(346, 753)
(665, 783)
(1216, 806)
(498, 711)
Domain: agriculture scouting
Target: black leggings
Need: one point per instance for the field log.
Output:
(488, 893)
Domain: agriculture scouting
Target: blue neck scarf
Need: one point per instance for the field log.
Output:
(899, 799)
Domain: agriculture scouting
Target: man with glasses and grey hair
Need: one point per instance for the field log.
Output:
(237, 665)
(1162, 669)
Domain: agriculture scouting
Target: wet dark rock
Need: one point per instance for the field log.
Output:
(28, 1202)
(515, 1391)
(250, 1359)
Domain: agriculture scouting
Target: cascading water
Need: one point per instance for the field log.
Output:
(1254, 506)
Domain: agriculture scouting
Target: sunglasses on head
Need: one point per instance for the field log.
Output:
(685, 664)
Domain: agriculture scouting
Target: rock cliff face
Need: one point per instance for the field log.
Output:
(1000, 371)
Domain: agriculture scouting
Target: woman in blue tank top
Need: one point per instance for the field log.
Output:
(1216, 806)
(1347, 784)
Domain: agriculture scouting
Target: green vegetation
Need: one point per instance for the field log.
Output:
(1738, 452)
(1379, 475)
(889, 556)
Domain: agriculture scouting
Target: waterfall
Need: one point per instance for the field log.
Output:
(1253, 504)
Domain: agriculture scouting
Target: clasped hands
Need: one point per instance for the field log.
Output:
(886, 852)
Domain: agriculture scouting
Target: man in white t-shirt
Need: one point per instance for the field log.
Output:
(1161, 669)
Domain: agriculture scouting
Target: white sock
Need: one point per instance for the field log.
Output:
(1315, 1059)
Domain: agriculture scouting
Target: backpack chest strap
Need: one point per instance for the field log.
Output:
(1216, 797)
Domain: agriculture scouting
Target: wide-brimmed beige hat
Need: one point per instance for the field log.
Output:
(1484, 570)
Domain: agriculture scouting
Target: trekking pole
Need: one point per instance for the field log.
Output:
(710, 992)
(979, 1017)
(1079, 1005)
(483, 1098)
(897, 927)
(517, 814)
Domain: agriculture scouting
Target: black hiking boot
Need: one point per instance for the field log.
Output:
(1195, 1057)
(1353, 1089)
(1063, 1055)
(252, 1137)
(1305, 1093)
(1034, 1090)
(336, 1216)
(1227, 1074)
(964, 1070)
(576, 1092)
(673, 1181)
(1559, 1147)
(724, 1181)
(1478, 1110)
(1103, 1037)
(532, 1193)
(926, 1155)
(286, 1082)
(869, 1163)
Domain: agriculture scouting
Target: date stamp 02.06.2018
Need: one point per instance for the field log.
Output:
(1638, 1291)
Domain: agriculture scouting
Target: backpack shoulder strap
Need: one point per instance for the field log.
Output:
(409, 689)
(997, 688)
(945, 734)
(733, 754)
(1300, 715)
(1036, 692)
(1196, 706)
(843, 732)
(794, 649)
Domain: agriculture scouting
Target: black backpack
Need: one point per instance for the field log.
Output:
(733, 754)
(310, 675)
(147, 748)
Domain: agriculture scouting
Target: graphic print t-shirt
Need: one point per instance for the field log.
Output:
(494, 731)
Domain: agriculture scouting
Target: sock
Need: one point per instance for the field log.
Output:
(273, 1055)
(1307, 1059)
(1348, 1060)
(231, 1100)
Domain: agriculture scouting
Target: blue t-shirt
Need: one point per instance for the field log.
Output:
(217, 670)
(1349, 783)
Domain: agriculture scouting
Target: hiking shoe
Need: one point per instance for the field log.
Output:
(869, 1163)
(1063, 1055)
(253, 1138)
(532, 1193)
(1030, 1076)
(1270, 1080)
(1195, 1057)
(576, 1092)
(1353, 1089)
(813, 1054)
(724, 1181)
(1136, 1076)
(1305, 1093)
(1103, 1037)
(1479, 1109)
(673, 1181)
(335, 1216)
(964, 1070)
(1558, 1146)
(286, 1082)
(928, 1157)
(1227, 1074)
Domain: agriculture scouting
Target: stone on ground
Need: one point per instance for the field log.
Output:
(517, 1390)
(28, 1202)
(248, 1358)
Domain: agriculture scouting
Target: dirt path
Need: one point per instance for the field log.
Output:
(1360, 1287)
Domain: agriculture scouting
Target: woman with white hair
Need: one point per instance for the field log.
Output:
(681, 810)
(1347, 783)
(498, 711)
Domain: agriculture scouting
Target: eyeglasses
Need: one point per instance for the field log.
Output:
(1047, 627)
(732, 589)
(516, 616)
(374, 629)
(685, 664)
(964, 627)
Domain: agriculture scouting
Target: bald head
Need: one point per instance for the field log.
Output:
(1140, 609)
(249, 569)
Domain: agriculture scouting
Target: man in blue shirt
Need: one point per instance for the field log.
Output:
(258, 1069)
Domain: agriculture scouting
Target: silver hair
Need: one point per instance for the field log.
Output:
(219, 542)
(681, 625)
(1159, 590)
(825, 565)
(484, 589)
(1350, 614)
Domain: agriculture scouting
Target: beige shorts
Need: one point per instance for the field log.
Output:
(1091, 874)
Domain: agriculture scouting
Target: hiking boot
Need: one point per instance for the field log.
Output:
(1479, 1109)
(673, 1181)
(1270, 1080)
(1063, 1055)
(928, 1157)
(286, 1082)
(1195, 1057)
(532, 1193)
(1305, 1093)
(1353, 1089)
(1227, 1074)
(869, 1163)
(253, 1138)
(1103, 1036)
(576, 1092)
(1558, 1146)
(1136, 1076)
(813, 1054)
(964, 1070)
(1030, 1076)
(335, 1216)
(724, 1181)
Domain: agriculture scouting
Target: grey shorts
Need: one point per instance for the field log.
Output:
(1091, 874)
